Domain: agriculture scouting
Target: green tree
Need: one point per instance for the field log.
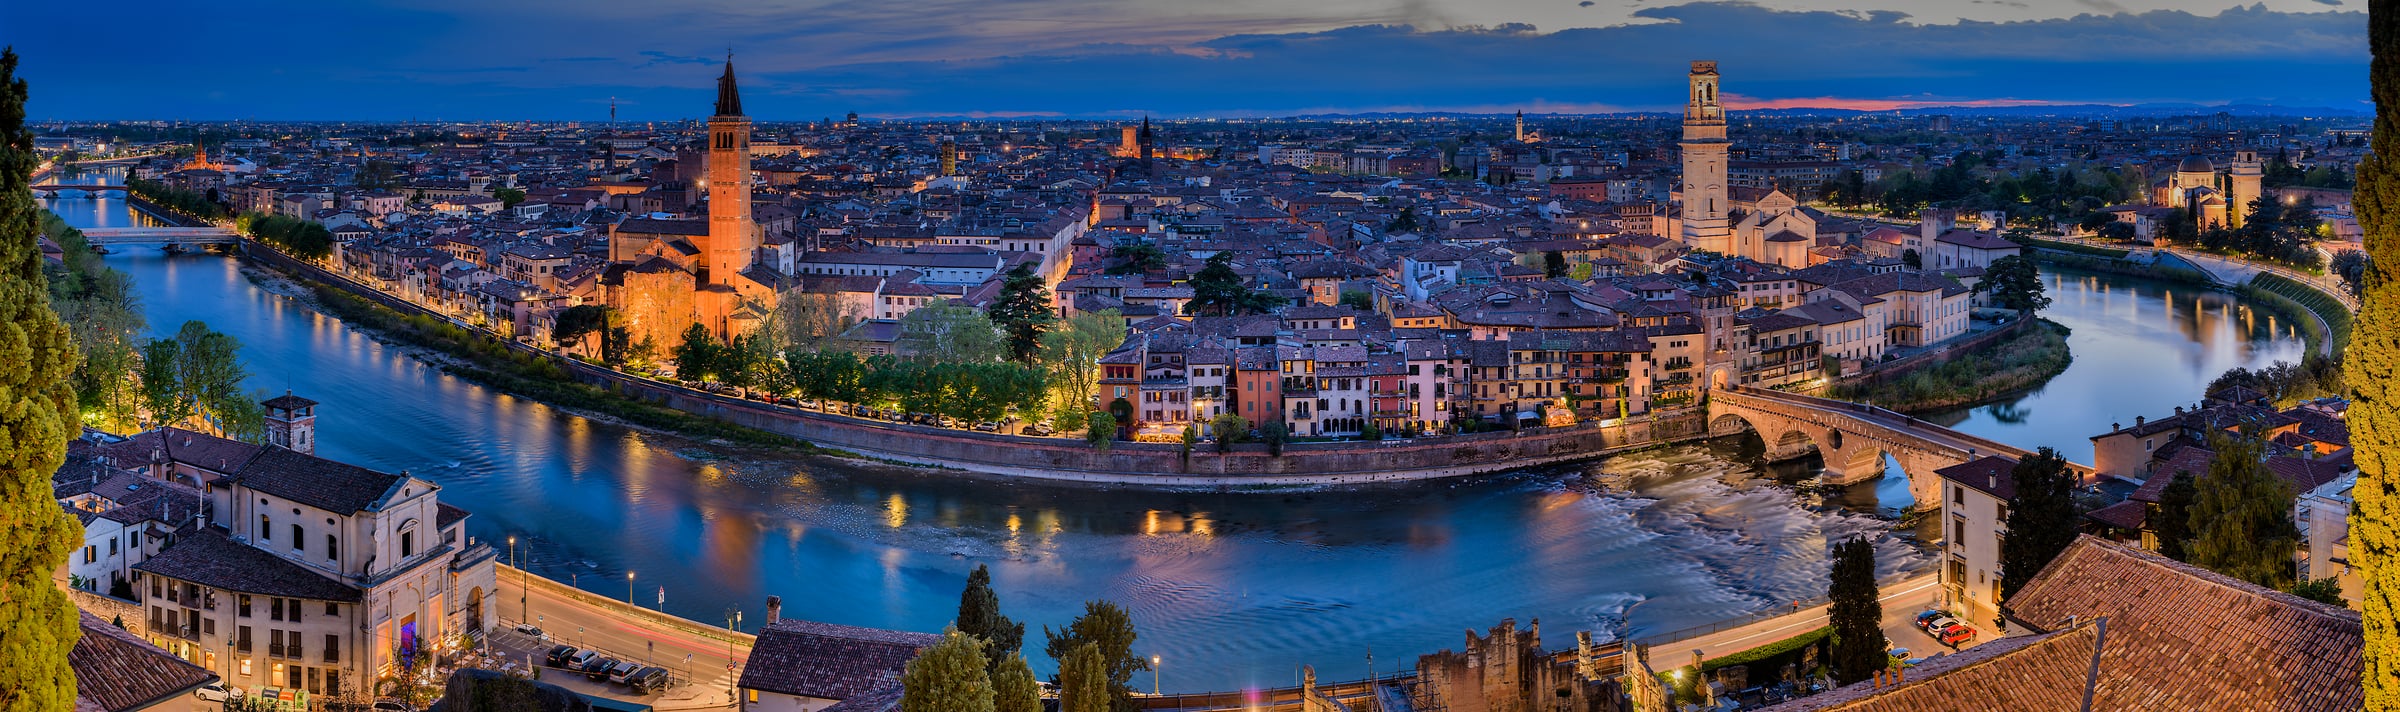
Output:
(1218, 290)
(1109, 630)
(2242, 519)
(2373, 370)
(1274, 433)
(1554, 264)
(1229, 427)
(2014, 283)
(162, 394)
(573, 323)
(1072, 353)
(1013, 686)
(1136, 258)
(2351, 267)
(1912, 259)
(1083, 681)
(696, 357)
(1855, 612)
(949, 332)
(1100, 429)
(2174, 526)
(2042, 519)
(1360, 300)
(948, 676)
(1191, 437)
(1022, 311)
(37, 359)
(2325, 590)
(979, 616)
(509, 197)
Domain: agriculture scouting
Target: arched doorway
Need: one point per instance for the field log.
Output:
(475, 610)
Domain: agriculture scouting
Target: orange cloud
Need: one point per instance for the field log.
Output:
(1742, 103)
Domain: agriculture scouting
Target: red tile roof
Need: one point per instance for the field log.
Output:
(829, 662)
(117, 672)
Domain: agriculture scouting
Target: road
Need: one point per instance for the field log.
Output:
(581, 619)
(1901, 602)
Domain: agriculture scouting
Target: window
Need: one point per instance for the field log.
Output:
(333, 648)
(242, 643)
(88, 553)
(275, 608)
(295, 608)
(408, 539)
(208, 626)
(333, 548)
(245, 662)
(245, 605)
(112, 546)
(333, 609)
(299, 540)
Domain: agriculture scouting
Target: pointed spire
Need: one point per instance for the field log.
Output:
(729, 97)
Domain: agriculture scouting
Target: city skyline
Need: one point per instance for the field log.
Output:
(462, 63)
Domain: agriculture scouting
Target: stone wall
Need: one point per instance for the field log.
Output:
(1507, 671)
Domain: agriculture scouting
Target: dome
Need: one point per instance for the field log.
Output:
(2196, 163)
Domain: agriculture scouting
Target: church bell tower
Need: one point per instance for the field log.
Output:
(1706, 203)
(732, 235)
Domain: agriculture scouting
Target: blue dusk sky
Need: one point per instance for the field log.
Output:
(807, 59)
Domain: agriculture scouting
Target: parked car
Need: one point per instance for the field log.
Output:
(1955, 635)
(647, 680)
(623, 670)
(1926, 617)
(1937, 623)
(597, 671)
(217, 692)
(988, 427)
(1039, 430)
(1898, 653)
(580, 659)
(390, 706)
(533, 630)
(560, 654)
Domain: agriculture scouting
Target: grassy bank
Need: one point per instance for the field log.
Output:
(2295, 301)
(481, 359)
(2023, 360)
(2080, 248)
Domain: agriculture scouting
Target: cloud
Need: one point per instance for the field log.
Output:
(1208, 62)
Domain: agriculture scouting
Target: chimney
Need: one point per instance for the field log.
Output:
(2138, 420)
(2179, 410)
(2114, 427)
(774, 609)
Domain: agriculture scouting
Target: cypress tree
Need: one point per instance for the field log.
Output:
(37, 623)
(2242, 520)
(947, 677)
(2174, 526)
(1013, 688)
(1083, 680)
(979, 616)
(2041, 519)
(1855, 613)
(2373, 369)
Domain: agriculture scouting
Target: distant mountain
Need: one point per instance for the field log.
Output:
(2087, 110)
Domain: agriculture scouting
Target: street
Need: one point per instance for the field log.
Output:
(1901, 602)
(698, 652)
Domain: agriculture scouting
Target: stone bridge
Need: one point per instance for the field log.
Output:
(1853, 437)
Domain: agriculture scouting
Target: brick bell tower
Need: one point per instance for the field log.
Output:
(732, 235)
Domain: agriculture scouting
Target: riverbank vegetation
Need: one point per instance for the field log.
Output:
(306, 238)
(2299, 302)
(488, 361)
(2028, 358)
(189, 202)
(125, 381)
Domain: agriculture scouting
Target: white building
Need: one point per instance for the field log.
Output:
(2323, 515)
(1975, 498)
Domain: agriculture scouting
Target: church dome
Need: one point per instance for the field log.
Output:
(2196, 163)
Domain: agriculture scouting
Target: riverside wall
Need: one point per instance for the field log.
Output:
(1128, 463)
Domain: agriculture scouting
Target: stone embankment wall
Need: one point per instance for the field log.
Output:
(1890, 370)
(1153, 464)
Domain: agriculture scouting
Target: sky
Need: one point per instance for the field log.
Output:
(802, 60)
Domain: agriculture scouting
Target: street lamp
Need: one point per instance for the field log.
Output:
(1154, 675)
(629, 590)
(524, 609)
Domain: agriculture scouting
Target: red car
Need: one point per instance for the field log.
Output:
(1954, 635)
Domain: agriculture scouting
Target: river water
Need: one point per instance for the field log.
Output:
(1230, 590)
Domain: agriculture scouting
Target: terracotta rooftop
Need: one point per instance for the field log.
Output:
(117, 672)
(829, 662)
(2029, 673)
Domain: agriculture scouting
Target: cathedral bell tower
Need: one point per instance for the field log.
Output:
(732, 235)
(1705, 199)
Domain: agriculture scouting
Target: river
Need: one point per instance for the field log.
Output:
(1229, 590)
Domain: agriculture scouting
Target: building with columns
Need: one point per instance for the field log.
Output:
(1706, 202)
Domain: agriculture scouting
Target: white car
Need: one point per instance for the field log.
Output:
(534, 631)
(216, 692)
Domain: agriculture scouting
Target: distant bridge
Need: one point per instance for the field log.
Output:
(162, 236)
(54, 188)
(1853, 437)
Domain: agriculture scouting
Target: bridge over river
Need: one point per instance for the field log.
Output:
(1853, 437)
(158, 236)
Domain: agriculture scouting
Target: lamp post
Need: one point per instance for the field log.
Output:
(1154, 675)
(523, 608)
(629, 590)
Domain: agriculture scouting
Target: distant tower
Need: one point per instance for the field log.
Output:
(1520, 126)
(2243, 185)
(949, 157)
(1705, 203)
(1147, 141)
(732, 237)
(1127, 140)
(292, 423)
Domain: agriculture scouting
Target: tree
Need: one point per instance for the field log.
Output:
(509, 197)
(2351, 267)
(573, 323)
(948, 676)
(1109, 630)
(2325, 590)
(37, 358)
(2042, 519)
(1912, 259)
(1072, 352)
(1554, 264)
(1013, 686)
(1229, 427)
(1274, 433)
(1855, 612)
(1218, 290)
(2242, 519)
(696, 357)
(1100, 429)
(162, 395)
(1137, 257)
(979, 616)
(1083, 681)
(807, 321)
(2014, 283)
(1357, 299)
(2372, 366)
(1022, 311)
(2174, 527)
(949, 332)
(1191, 436)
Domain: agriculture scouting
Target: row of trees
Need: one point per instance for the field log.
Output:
(2272, 231)
(189, 202)
(2048, 195)
(299, 236)
(194, 380)
(979, 665)
(100, 308)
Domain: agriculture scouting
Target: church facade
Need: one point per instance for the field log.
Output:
(665, 275)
